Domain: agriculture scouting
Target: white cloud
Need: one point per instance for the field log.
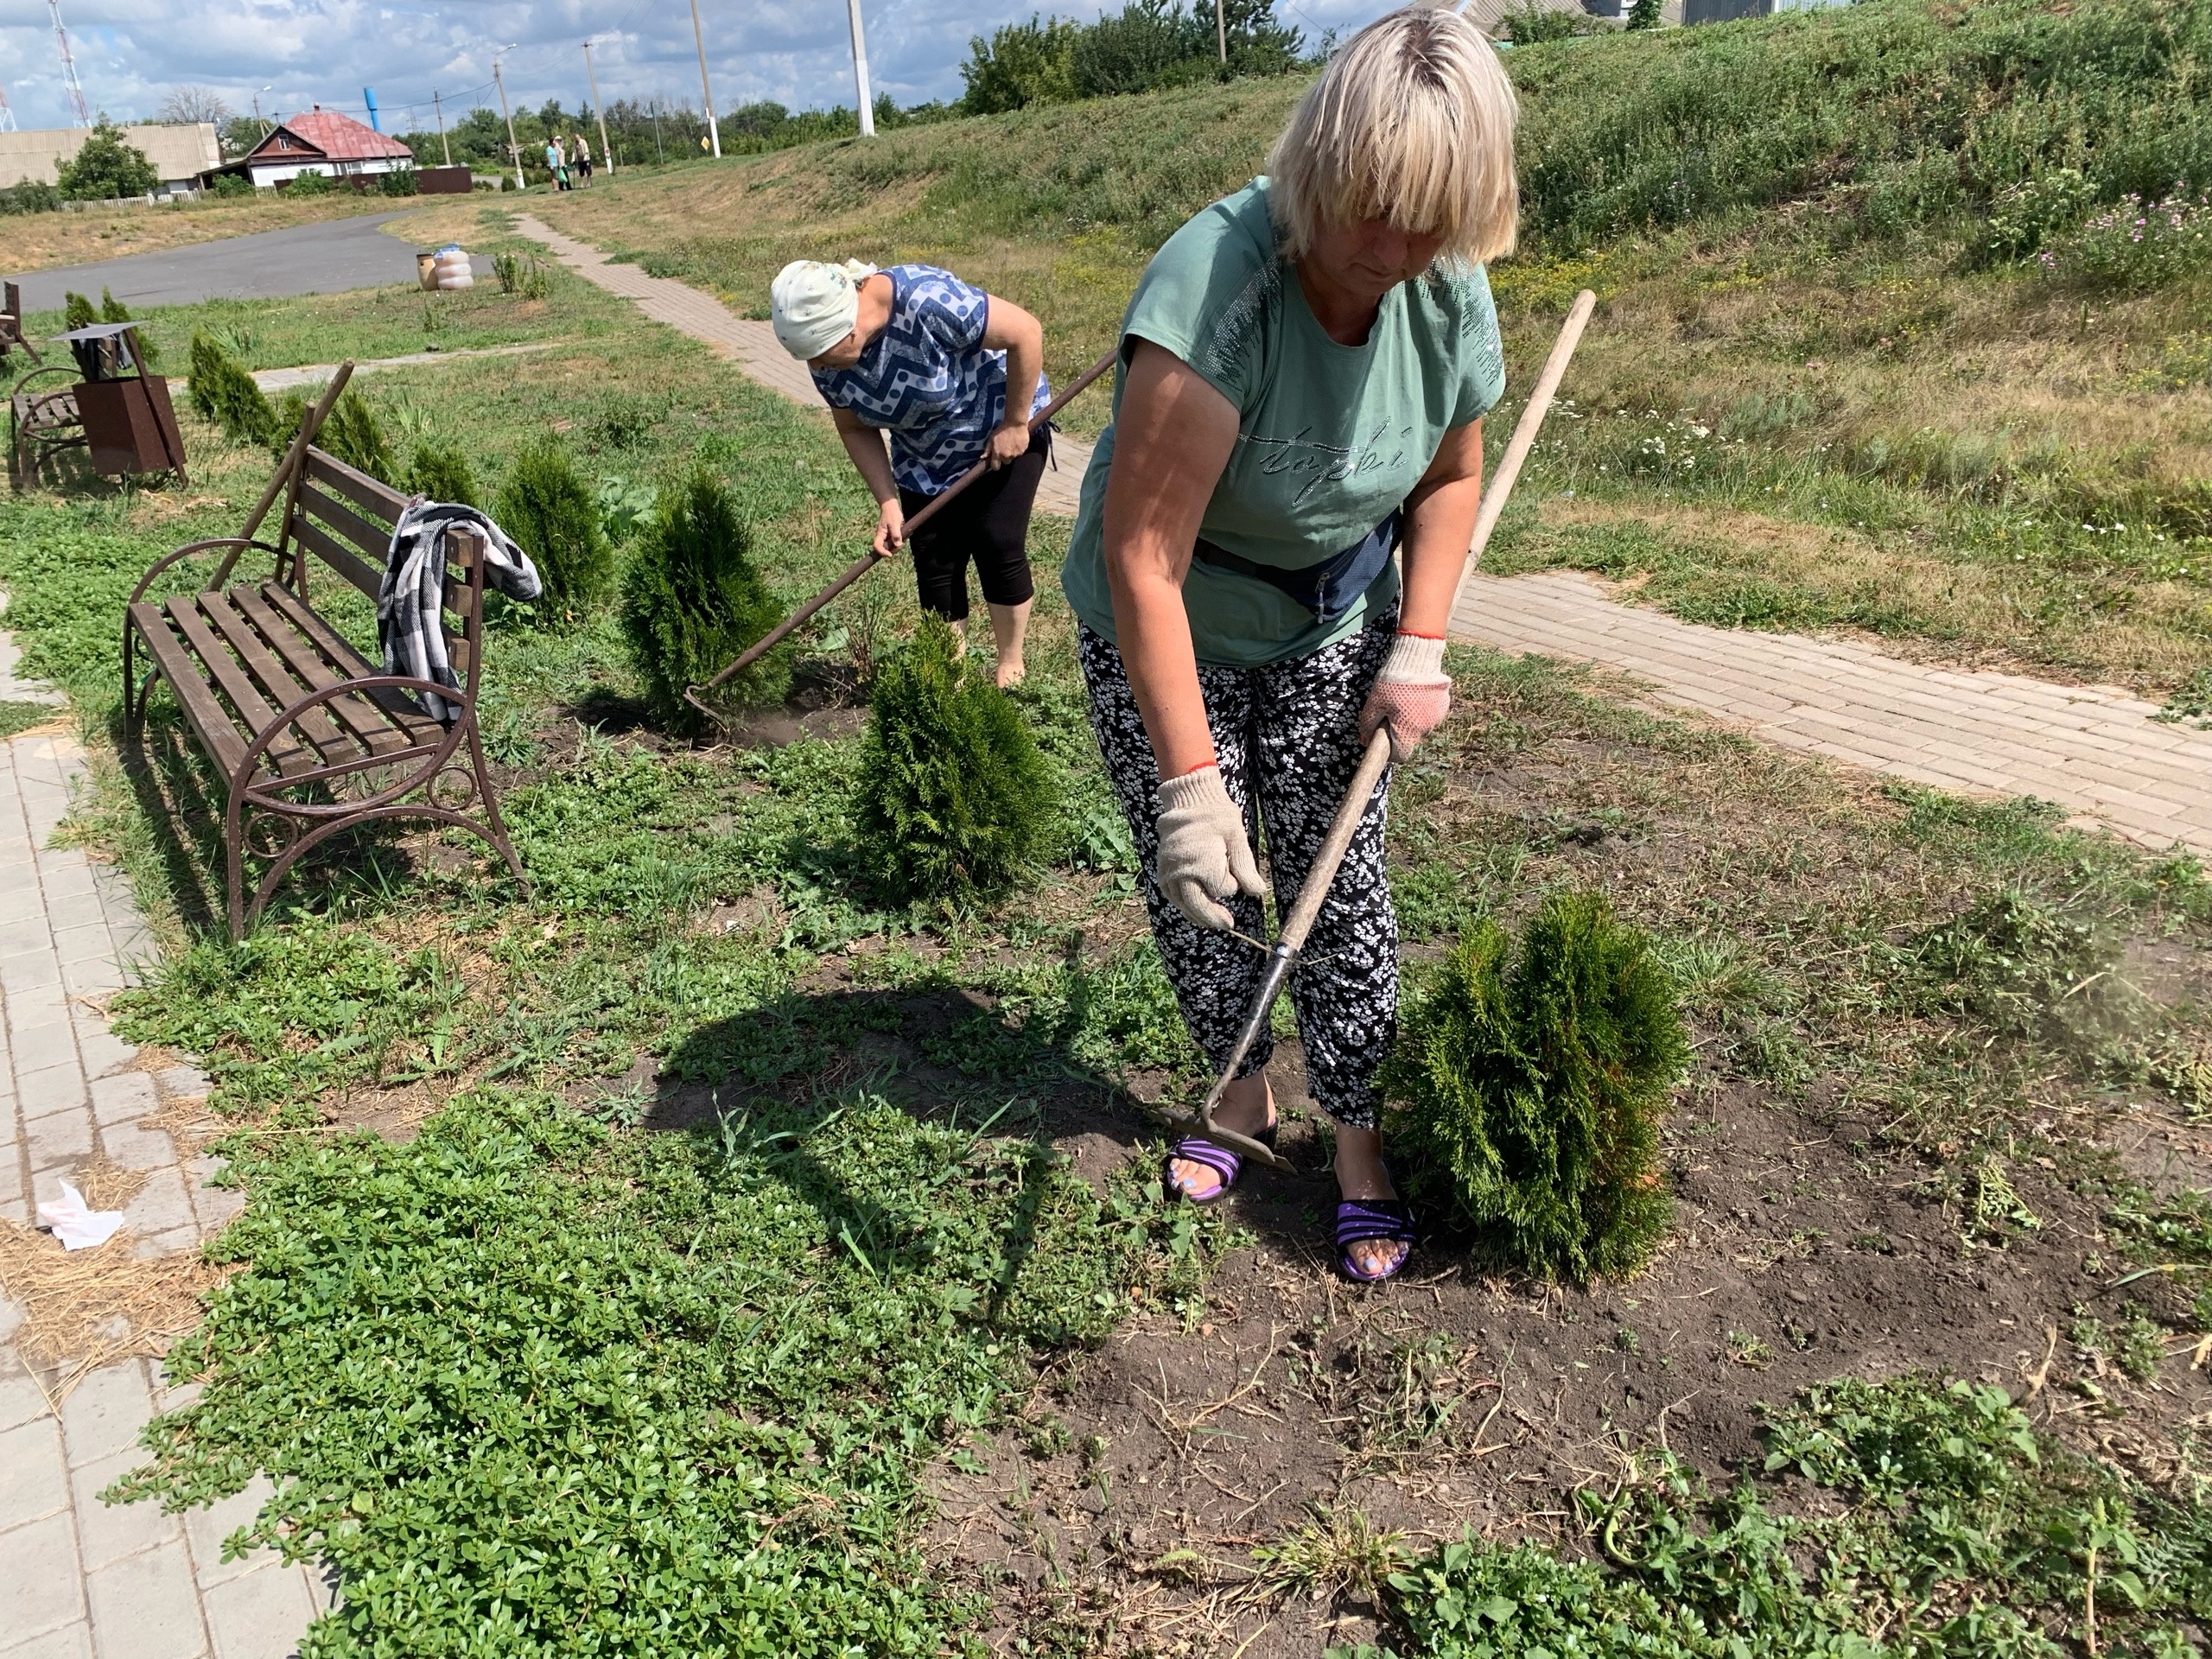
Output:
(131, 53)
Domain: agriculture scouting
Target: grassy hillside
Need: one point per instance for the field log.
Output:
(1866, 356)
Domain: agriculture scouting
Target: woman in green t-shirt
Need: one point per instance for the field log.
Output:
(1305, 368)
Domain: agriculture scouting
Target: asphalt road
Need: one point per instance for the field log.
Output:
(325, 259)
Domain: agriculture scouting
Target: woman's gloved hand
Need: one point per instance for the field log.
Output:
(1411, 695)
(1205, 857)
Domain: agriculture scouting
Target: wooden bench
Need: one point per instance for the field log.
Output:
(311, 737)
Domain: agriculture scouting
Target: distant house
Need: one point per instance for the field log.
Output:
(179, 153)
(321, 141)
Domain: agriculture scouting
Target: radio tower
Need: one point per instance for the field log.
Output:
(7, 115)
(82, 115)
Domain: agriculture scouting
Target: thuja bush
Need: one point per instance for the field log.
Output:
(440, 472)
(1526, 1087)
(954, 799)
(224, 394)
(353, 434)
(77, 311)
(692, 601)
(550, 512)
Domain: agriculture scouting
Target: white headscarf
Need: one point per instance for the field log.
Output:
(816, 304)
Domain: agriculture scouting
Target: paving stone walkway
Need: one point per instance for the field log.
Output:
(79, 1577)
(2092, 750)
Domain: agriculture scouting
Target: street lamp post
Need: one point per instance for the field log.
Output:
(258, 120)
(514, 150)
(713, 132)
(592, 75)
(860, 69)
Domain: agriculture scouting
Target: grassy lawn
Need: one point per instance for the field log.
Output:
(708, 1254)
(38, 241)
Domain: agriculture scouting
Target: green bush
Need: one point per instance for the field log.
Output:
(953, 798)
(440, 472)
(692, 601)
(1526, 1087)
(31, 196)
(106, 166)
(553, 516)
(399, 183)
(77, 311)
(310, 184)
(230, 185)
(225, 393)
(351, 432)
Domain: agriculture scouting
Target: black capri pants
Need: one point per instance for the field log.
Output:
(989, 522)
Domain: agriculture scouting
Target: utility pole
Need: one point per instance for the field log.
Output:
(258, 120)
(442, 143)
(860, 69)
(606, 150)
(714, 131)
(1221, 31)
(514, 150)
(81, 115)
(659, 150)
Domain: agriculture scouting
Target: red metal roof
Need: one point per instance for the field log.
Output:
(336, 137)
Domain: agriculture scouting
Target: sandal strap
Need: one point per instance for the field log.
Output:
(1195, 1150)
(1361, 1220)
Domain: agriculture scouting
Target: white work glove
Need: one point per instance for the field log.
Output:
(1411, 695)
(1205, 858)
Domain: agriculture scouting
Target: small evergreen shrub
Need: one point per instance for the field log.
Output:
(1526, 1087)
(954, 797)
(692, 601)
(77, 311)
(224, 394)
(440, 472)
(351, 433)
(554, 517)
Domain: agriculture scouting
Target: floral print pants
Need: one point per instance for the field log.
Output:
(1288, 741)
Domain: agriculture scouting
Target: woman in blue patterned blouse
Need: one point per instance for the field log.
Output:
(916, 352)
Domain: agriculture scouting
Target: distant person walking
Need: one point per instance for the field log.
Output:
(581, 147)
(1270, 536)
(954, 375)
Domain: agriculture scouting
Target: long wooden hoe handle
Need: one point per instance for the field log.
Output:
(867, 561)
(1314, 891)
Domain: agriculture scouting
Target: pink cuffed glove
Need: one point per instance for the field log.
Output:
(1411, 695)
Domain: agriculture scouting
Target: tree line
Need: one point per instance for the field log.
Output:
(1146, 45)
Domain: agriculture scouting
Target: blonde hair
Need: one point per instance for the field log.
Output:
(1412, 122)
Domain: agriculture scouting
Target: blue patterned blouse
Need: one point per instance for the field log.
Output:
(927, 380)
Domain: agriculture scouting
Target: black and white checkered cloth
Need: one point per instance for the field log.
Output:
(413, 594)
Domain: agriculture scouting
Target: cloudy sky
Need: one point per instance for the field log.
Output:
(131, 53)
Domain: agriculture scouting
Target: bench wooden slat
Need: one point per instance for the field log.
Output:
(218, 732)
(356, 486)
(372, 726)
(332, 552)
(394, 704)
(276, 676)
(369, 540)
(286, 758)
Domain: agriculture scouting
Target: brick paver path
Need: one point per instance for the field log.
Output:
(2092, 750)
(752, 346)
(79, 1577)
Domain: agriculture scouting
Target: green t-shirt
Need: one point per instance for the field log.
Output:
(1330, 438)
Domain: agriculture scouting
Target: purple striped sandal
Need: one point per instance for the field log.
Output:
(1196, 1150)
(1359, 1220)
